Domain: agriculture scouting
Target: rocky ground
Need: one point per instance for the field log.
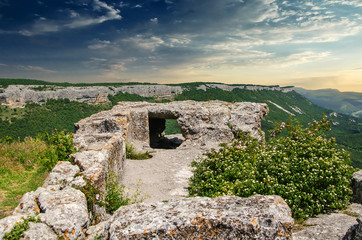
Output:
(165, 177)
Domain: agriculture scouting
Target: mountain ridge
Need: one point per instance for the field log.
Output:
(343, 102)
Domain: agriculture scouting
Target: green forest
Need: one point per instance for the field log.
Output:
(35, 119)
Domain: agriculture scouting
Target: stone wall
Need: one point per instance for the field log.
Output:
(59, 204)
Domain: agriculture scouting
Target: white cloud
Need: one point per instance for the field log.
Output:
(3, 65)
(40, 27)
(123, 4)
(296, 59)
(99, 44)
(35, 69)
(118, 67)
(355, 3)
(76, 20)
(145, 42)
(154, 20)
(112, 14)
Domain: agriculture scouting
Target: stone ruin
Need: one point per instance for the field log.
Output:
(62, 207)
(203, 122)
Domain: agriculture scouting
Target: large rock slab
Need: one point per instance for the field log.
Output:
(65, 211)
(256, 217)
(333, 226)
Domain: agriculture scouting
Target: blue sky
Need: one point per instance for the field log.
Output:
(311, 44)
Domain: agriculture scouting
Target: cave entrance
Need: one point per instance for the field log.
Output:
(165, 133)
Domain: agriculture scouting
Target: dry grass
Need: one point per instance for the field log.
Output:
(19, 172)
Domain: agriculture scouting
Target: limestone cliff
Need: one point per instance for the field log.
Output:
(19, 95)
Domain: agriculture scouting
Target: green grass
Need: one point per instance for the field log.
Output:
(172, 127)
(131, 153)
(19, 172)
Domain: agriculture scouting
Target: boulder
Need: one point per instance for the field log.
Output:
(65, 211)
(256, 217)
(62, 174)
(39, 231)
(357, 187)
(328, 226)
(354, 232)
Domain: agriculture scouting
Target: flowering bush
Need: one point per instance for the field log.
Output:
(303, 167)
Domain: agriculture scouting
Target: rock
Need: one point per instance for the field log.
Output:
(256, 217)
(96, 166)
(62, 174)
(20, 95)
(229, 88)
(39, 231)
(327, 226)
(28, 205)
(65, 211)
(354, 232)
(6, 224)
(357, 187)
(213, 121)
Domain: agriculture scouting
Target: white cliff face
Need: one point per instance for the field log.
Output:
(19, 95)
(251, 87)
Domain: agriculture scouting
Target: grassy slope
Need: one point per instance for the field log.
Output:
(18, 172)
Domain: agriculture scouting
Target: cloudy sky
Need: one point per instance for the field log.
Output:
(312, 44)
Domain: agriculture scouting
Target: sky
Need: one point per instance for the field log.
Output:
(312, 44)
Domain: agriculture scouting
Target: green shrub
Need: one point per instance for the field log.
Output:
(116, 195)
(303, 167)
(131, 153)
(60, 146)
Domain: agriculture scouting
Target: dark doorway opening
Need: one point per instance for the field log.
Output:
(158, 138)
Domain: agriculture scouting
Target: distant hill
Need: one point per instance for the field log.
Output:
(343, 102)
(62, 113)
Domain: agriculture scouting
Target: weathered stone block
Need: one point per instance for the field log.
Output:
(65, 211)
(62, 174)
(256, 217)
